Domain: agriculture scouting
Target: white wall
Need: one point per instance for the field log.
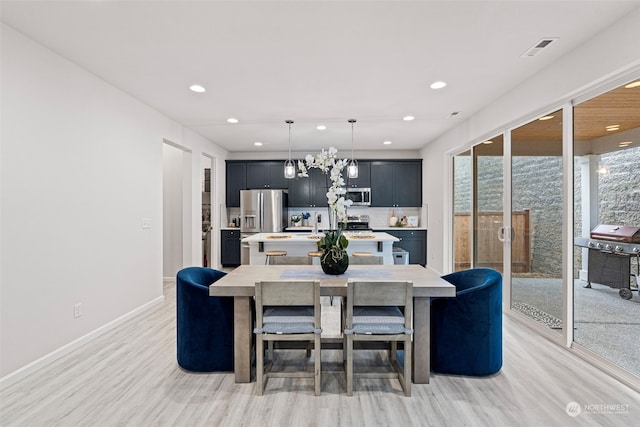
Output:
(609, 54)
(172, 246)
(81, 166)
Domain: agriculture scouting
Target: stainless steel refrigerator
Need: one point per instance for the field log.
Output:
(261, 211)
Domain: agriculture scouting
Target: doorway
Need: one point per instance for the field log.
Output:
(208, 217)
(173, 195)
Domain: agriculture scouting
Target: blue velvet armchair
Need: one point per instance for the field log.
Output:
(466, 331)
(204, 323)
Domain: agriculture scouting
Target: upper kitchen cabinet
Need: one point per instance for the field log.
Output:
(309, 192)
(236, 180)
(396, 183)
(364, 176)
(268, 174)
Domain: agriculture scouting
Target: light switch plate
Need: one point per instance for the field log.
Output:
(146, 223)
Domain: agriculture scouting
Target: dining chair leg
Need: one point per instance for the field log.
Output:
(259, 366)
(344, 349)
(407, 367)
(317, 377)
(349, 366)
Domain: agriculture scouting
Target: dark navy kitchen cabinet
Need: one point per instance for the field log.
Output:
(230, 248)
(310, 191)
(396, 183)
(266, 174)
(414, 242)
(364, 176)
(236, 180)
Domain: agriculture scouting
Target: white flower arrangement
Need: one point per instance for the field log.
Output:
(328, 163)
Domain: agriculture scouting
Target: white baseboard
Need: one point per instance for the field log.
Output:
(21, 373)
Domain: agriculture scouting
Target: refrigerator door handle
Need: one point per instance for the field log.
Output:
(261, 204)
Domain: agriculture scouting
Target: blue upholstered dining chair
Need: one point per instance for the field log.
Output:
(466, 331)
(204, 323)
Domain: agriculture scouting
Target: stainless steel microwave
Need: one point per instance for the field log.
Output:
(359, 196)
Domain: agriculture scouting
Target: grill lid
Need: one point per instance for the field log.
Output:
(616, 233)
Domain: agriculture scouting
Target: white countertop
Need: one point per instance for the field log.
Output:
(399, 228)
(310, 237)
(383, 228)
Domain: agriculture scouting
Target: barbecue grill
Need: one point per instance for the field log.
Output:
(612, 248)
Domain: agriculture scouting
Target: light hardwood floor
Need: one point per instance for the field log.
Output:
(129, 377)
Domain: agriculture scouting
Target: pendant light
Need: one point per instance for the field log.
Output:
(289, 167)
(352, 167)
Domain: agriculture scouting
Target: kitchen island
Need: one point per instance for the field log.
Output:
(299, 244)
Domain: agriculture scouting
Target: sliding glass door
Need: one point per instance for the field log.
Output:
(511, 210)
(536, 212)
(478, 206)
(607, 191)
(488, 204)
(462, 206)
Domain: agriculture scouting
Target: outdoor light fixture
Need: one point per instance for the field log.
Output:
(289, 167)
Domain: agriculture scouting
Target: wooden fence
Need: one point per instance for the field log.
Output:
(490, 250)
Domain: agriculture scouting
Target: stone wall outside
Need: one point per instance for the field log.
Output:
(537, 186)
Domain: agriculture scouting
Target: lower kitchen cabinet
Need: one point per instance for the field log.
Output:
(414, 242)
(230, 248)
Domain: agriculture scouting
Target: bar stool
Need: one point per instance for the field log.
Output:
(362, 254)
(269, 254)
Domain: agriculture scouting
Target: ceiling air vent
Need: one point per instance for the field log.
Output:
(538, 47)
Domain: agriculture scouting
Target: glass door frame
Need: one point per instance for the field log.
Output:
(507, 222)
(566, 336)
(567, 103)
(506, 209)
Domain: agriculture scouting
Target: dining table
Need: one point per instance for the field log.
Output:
(240, 284)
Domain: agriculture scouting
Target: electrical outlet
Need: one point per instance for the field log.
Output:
(77, 310)
(146, 223)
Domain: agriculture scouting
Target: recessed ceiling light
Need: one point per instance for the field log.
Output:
(633, 84)
(232, 120)
(321, 127)
(624, 143)
(408, 118)
(387, 142)
(197, 88)
(438, 85)
(488, 142)
(545, 118)
(612, 128)
(258, 144)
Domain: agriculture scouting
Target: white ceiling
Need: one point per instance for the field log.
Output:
(313, 62)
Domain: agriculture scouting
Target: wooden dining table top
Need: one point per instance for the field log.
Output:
(241, 281)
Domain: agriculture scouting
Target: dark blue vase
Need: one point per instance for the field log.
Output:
(334, 261)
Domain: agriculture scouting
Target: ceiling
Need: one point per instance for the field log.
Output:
(314, 62)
